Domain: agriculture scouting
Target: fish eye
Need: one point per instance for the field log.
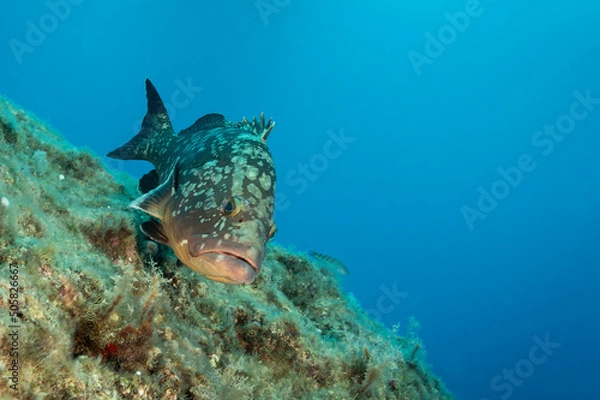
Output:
(230, 207)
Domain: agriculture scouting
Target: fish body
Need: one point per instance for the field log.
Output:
(212, 192)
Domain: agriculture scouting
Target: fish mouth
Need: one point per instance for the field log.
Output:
(243, 259)
(227, 261)
(231, 267)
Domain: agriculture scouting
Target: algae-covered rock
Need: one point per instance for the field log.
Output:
(92, 310)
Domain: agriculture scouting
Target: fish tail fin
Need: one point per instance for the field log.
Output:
(156, 132)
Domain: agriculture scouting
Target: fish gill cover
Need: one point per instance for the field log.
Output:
(97, 311)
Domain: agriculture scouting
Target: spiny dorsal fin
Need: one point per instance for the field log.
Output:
(204, 123)
(156, 130)
(259, 127)
(154, 201)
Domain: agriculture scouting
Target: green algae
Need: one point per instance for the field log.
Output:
(104, 314)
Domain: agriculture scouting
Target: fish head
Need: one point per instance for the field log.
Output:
(223, 214)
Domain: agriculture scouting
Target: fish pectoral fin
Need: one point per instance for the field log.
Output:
(154, 202)
(272, 231)
(155, 231)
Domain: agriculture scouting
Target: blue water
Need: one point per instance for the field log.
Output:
(436, 113)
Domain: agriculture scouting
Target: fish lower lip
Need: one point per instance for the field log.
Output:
(233, 255)
(210, 247)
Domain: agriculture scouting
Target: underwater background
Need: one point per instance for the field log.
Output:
(445, 151)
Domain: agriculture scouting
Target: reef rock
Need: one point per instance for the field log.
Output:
(92, 310)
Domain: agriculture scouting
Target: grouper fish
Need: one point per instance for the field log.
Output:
(212, 192)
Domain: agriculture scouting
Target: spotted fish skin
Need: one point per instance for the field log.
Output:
(212, 191)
